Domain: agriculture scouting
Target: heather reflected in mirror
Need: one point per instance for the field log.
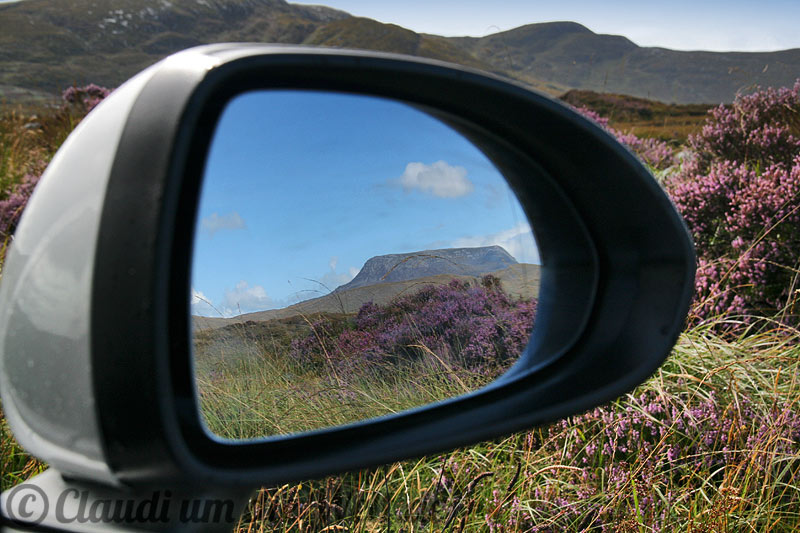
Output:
(353, 258)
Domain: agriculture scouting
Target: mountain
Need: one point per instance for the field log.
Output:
(570, 55)
(456, 261)
(519, 281)
(408, 273)
(367, 34)
(46, 46)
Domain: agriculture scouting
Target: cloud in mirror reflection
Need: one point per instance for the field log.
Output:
(439, 179)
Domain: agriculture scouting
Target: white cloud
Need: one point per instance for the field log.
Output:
(215, 222)
(518, 241)
(439, 179)
(245, 299)
(333, 262)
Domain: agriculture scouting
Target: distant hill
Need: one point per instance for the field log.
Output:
(47, 45)
(645, 118)
(520, 281)
(621, 107)
(572, 56)
(409, 273)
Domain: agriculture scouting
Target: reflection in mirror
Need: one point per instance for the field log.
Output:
(354, 257)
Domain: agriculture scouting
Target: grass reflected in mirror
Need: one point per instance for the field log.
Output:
(327, 369)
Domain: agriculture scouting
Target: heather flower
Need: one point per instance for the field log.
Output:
(746, 227)
(758, 130)
(86, 98)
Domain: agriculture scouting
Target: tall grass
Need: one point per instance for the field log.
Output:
(709, 443)
(273, 394)
(302, 373)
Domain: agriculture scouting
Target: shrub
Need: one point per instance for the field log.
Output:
(477, 326)
(12, 205)
(740, 196)
(758, 130)
(84, 98)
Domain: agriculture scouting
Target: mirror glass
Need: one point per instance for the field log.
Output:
(354, 257)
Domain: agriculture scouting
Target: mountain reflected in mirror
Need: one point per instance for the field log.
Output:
(353, 257)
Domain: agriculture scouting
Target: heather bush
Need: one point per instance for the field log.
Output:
(746, 226)
(475, 326)
(12, 205)
(646, 442)
(84, 98)
(740, 195)
(758, 130)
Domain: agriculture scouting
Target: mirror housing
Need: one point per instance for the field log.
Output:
(96, 363)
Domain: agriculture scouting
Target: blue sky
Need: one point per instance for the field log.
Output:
(720, 25)
(301, 188)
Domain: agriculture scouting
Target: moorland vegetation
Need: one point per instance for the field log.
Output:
(711, 442)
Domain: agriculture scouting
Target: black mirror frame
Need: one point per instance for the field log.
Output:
(617, 277)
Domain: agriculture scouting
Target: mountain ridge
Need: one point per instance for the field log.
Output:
(46, 46)
(519, 281)
(384, 277)
(571, 55)
(473, 261)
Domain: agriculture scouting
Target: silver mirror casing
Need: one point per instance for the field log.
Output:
(45, 297)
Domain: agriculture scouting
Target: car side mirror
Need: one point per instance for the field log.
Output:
(95, 325)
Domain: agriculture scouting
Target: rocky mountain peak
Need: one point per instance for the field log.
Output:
(413, 265)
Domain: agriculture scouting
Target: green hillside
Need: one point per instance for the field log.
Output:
(46, 46)
(570, 55)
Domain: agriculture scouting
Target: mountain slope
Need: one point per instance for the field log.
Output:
(50, 45)
(47, 46)
(384, 277)
(571, 55)
(519, 280)
(368, 34)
